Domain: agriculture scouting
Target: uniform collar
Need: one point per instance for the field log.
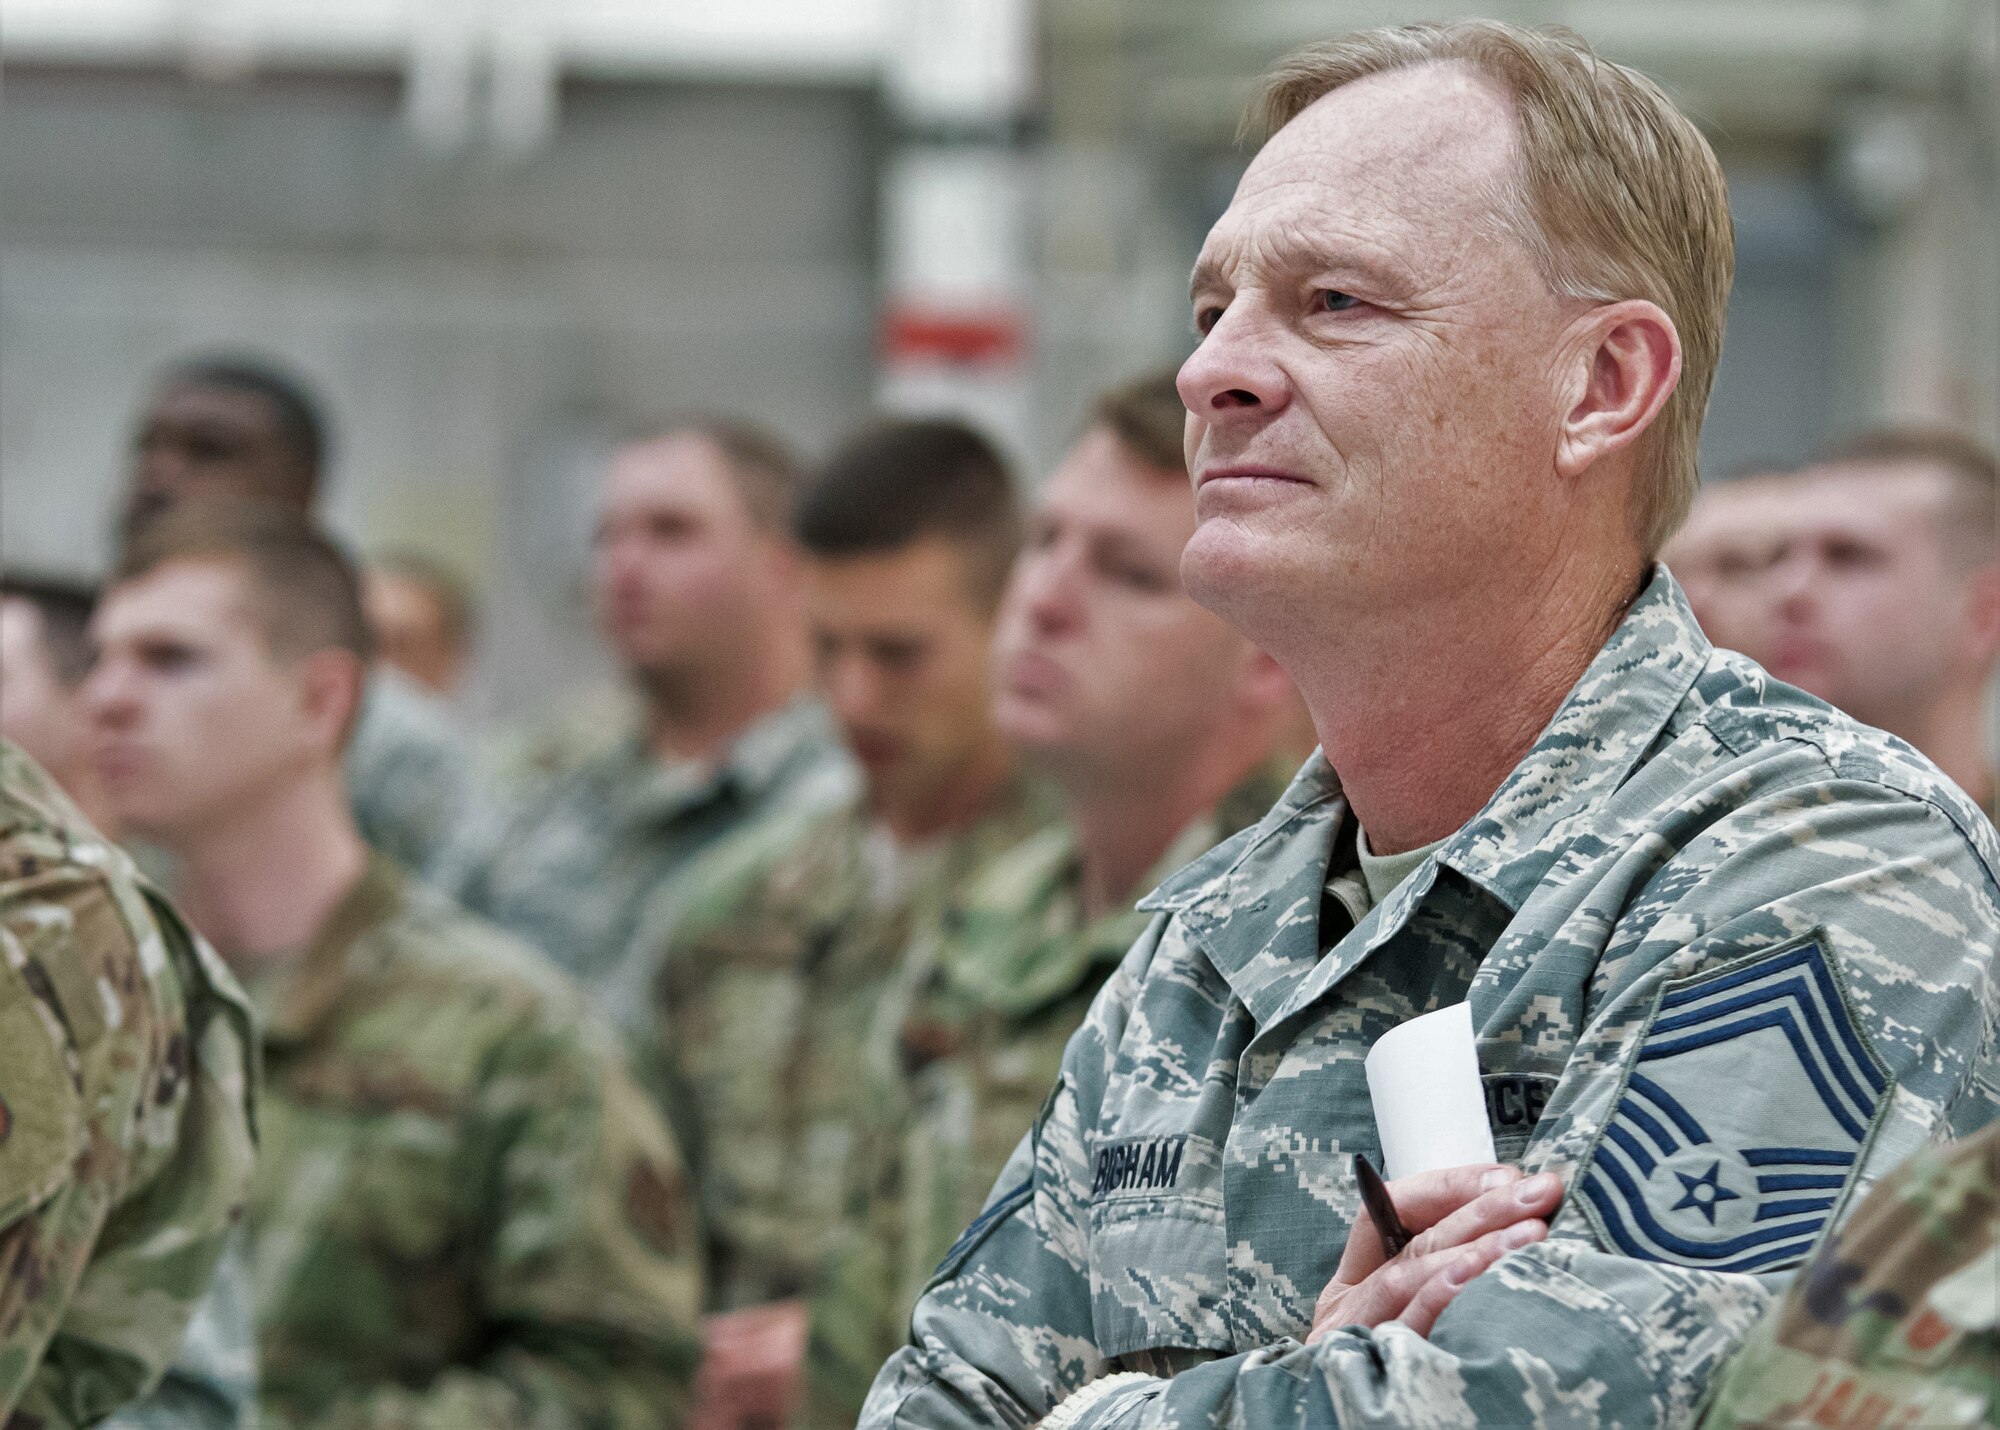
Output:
(1277, 873)
(759, 759)
(295, 996)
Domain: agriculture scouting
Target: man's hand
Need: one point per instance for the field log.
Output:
(750, 1368)
(1465, 1219)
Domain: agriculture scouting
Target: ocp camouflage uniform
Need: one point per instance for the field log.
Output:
(126, 1136)
(465, 1214)
(763, 998)
(970, 1037)
(407, 771)
(1730, 957)
(212, 1382)
(1896, 1322)
(573, 869)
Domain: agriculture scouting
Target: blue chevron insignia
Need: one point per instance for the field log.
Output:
(1742, 1120)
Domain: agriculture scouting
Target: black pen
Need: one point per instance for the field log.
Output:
(1381, 1210)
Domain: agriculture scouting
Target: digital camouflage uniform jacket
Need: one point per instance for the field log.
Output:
(970, 1036)
(465, 1213)
(1896, 1323)
(1730, 957)
(574, 869)
(126, 1139)
(408, 771)
(763, 999)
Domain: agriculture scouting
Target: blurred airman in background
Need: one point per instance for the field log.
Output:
(423, 617)
(1160, 727)
(698, 592)
(232, 429)
(465, 1212)
(1879, 591)
(772, 972)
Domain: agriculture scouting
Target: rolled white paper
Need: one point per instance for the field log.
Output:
(1430, 1107)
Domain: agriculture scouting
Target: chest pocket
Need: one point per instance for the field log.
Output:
(352, 1156)
(1159, 1257)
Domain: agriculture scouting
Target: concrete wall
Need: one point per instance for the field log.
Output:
(479, 329)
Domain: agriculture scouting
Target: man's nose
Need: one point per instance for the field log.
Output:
(1050, 592)
(618, 560)
(851, 689)
(160, 468)
(1792, 586)
(1234, 375)
(108, 696)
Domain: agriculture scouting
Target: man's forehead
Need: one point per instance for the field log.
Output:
(1102, 483)
(1408, 146)
(931, 561)
(195, 401)
(683, 470)
(184, 597)
(1866, 501)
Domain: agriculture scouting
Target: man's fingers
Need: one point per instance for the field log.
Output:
(1500, 1210)
(1428, 1304)
(1453, 1270)
(1429, 1197)
(1413, 1289)
(1503, 1206)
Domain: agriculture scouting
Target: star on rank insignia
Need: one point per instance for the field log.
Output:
(1743, 1117)
(1704, 1192)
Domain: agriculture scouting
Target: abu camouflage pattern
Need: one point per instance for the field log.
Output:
(126, 1132)
(1682, 814)
(962, 1054)
(511, 763)
(1896, 1323)
(407, 770)
(574, 868)
(465, 1212)
(764, 997)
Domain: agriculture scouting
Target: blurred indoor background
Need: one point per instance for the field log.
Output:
(498, 234)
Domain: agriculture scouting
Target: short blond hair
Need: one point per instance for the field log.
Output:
(1617, 196)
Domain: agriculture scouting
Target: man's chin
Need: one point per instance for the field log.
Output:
(1032, 724)
(1232, 569)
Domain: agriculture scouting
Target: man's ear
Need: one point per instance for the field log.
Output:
(1627, 363)
(1982, 616)
(331, 683)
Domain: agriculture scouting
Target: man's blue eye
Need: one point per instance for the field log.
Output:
(1337, 302)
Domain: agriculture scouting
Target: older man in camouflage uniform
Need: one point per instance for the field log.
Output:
(697, 586)
(465, 1212)
(126, 1138)
(1157, 722)
(1896, 1323)
(1729, 956)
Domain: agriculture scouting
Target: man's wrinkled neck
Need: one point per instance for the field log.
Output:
(1424, 713)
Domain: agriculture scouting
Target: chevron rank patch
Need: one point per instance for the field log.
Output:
(1743, 1118)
